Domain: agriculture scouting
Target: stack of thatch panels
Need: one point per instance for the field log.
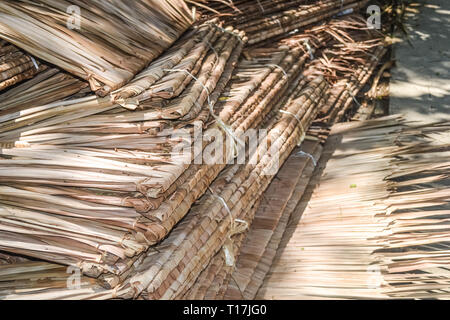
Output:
(259, 247)
(100, 184)
(375, 226)
(90, 157)
(264, 20)
(258, 97)
(16, 66)
(211, 225)
(103, 42)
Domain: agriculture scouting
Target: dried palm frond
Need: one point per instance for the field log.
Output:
(215, 279)
(97, 183)
(209, 223)
(244, 283)
(375, 226)
(16, 66)
(266, 19)
(113, 41)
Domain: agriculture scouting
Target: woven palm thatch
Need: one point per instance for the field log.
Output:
(384, 195)
(110, 42)
(264, 20)
(208, 226)
(97, 183)
(251, 269)
(16, 66)
(89, 157)
(103, 158)
(183, 250)
(217, 277)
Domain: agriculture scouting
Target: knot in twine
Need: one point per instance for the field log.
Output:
(237, 226)
(308, 47)
(279, 67)
(34, 62)
(302, 130)
(351, 94)
(226, 128)
(309, 155)
(230, 32)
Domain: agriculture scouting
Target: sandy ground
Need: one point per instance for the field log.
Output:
(420, 84)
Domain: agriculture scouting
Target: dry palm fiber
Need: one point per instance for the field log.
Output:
(164, 250)
(126, 219)
(348, 63)
(106, 227)
(385, 237)
(37, 94)
(207, 225)
(233, 102)
(113, 41)
(31, 280)
(16, 66)
(215, 276)
(207, 285)
(288, 16)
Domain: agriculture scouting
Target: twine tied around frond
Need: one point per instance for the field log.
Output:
(226, 128)
(309, 155)
(261, 7)
(279, 23)
(302, 130)
(374, 57)
(34, 62)
(308, 47)
(351, 94)
(279, 67)
(212, 49)
(237, 226)
(230, 32)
